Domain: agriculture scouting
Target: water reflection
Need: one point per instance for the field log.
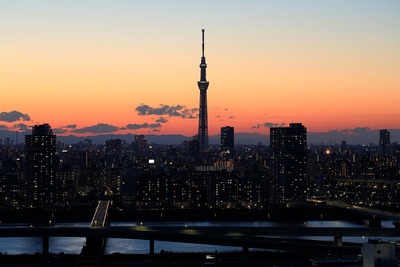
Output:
(20, 245)
(73, 245)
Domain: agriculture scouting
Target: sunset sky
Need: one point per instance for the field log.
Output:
(88, 67)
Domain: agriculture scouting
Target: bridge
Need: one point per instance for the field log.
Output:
(376, 215)
(100, 218)
(93, 249)
(277, 238)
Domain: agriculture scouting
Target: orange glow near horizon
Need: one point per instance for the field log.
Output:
(338, 69)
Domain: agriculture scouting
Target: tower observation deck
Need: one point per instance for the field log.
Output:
(203, 86)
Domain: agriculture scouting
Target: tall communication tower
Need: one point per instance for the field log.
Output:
(203, 85)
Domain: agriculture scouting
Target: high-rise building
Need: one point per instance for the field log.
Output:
(384, 142)
(7, 142)
(114, 146)
(11, 179)
(227, 139)
(203, 85)
(192, 146)
(40, 151)
(288, 169)
(140, 142)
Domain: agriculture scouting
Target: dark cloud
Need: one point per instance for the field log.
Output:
(155, 130)
(166, 110)
(162, 120)
(272, 124)
(98, 128)
(268, 125)
(218, 116)
(66, 128)
(143, 126)
(190, 113)
(70, 126)
(21, 126)
(356, 130)
(3, 127)
(13, 116)
(59, 131)
(231, 117)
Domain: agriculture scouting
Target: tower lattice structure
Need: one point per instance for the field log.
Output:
(203, 86)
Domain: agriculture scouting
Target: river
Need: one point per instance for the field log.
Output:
(73, 245)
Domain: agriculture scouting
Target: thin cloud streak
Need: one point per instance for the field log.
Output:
(143, 126)
(166, 110)
(97, 129)
(268, 125)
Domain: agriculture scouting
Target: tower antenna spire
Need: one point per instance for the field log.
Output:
(202, 44)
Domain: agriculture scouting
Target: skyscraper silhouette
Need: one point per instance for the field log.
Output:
(384, 142)
(40, 151)
(227, 139)
(288, 163)
(203, 85)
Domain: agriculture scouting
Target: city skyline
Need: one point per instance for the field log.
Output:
(129, 67)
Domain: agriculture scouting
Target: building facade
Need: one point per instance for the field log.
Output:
(227, 139)
(288, 163)
(40, 153)
(384, 142)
